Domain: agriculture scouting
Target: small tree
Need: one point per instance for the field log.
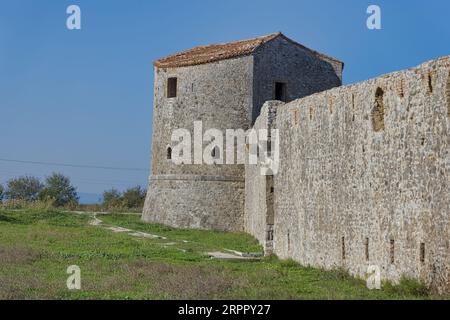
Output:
(59, 188)
(2, 193)
(112, 198)
(24, 188)
(134, 197)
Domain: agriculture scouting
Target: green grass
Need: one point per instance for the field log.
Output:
(36, 247)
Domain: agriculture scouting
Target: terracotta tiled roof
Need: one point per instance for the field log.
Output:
(222, 51)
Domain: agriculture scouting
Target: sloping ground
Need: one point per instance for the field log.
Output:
(229, 254)
(122, 258)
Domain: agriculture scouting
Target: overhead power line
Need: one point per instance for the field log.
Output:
(74, 165)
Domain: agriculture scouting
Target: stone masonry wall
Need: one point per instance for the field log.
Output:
(258, 218)
(196, 202)
(218, 94)
(191, 195)
(223, 95)
(364, 178)
(302, 71)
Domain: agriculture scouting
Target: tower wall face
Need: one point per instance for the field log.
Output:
(364, 178)
(198, 195)
(227, 94)
(259, 191)
(302, 72)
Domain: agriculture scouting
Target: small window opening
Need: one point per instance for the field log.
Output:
(295, 113)
(215, 153)
(280, 91)
(430, 84)
(169, 153)
(366, 245)
(378, 111)
(422, 252)
(288, 241)
(343, 247)
(269, 147)
(311, 113)
(392, 251)
(270, 235)
(401, 91)
(171, 87)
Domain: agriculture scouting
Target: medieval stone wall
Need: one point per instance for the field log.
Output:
(217, 94)
(196, 202)
(259, 189)
(364, 178)
(302, 71)
(223, 95)
(199, 195)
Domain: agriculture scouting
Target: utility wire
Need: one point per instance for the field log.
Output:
(15, 173)
(74, 165)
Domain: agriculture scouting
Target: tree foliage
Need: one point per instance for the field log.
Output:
(59, 188)
(132, 198)
(112, 198)
(24, 188)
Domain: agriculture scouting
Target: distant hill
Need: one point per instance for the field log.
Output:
(90, 198)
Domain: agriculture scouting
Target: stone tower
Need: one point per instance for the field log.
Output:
(224, 86)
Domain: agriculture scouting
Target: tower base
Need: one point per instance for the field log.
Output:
(198, 202)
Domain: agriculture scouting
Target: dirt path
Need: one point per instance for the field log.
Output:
(99, 223)
(229, 254)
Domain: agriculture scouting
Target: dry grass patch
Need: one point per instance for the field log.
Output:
(15, 288)
(184, 282)
(26, 287)
(18, 255)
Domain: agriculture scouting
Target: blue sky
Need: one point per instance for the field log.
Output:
(85, 96)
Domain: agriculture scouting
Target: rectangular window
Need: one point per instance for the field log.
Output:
(422, 252)
(280, 91)
(366, 245)
(171, 87)
(343, 247)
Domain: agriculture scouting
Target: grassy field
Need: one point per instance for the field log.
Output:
(36, 247)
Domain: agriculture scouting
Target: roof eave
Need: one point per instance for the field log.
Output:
(271, 37)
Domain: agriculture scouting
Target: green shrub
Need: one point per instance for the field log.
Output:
(131, 199)
(59, 188)
(134, 197)
(112, 199)
(406, 287)
(24, 188)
